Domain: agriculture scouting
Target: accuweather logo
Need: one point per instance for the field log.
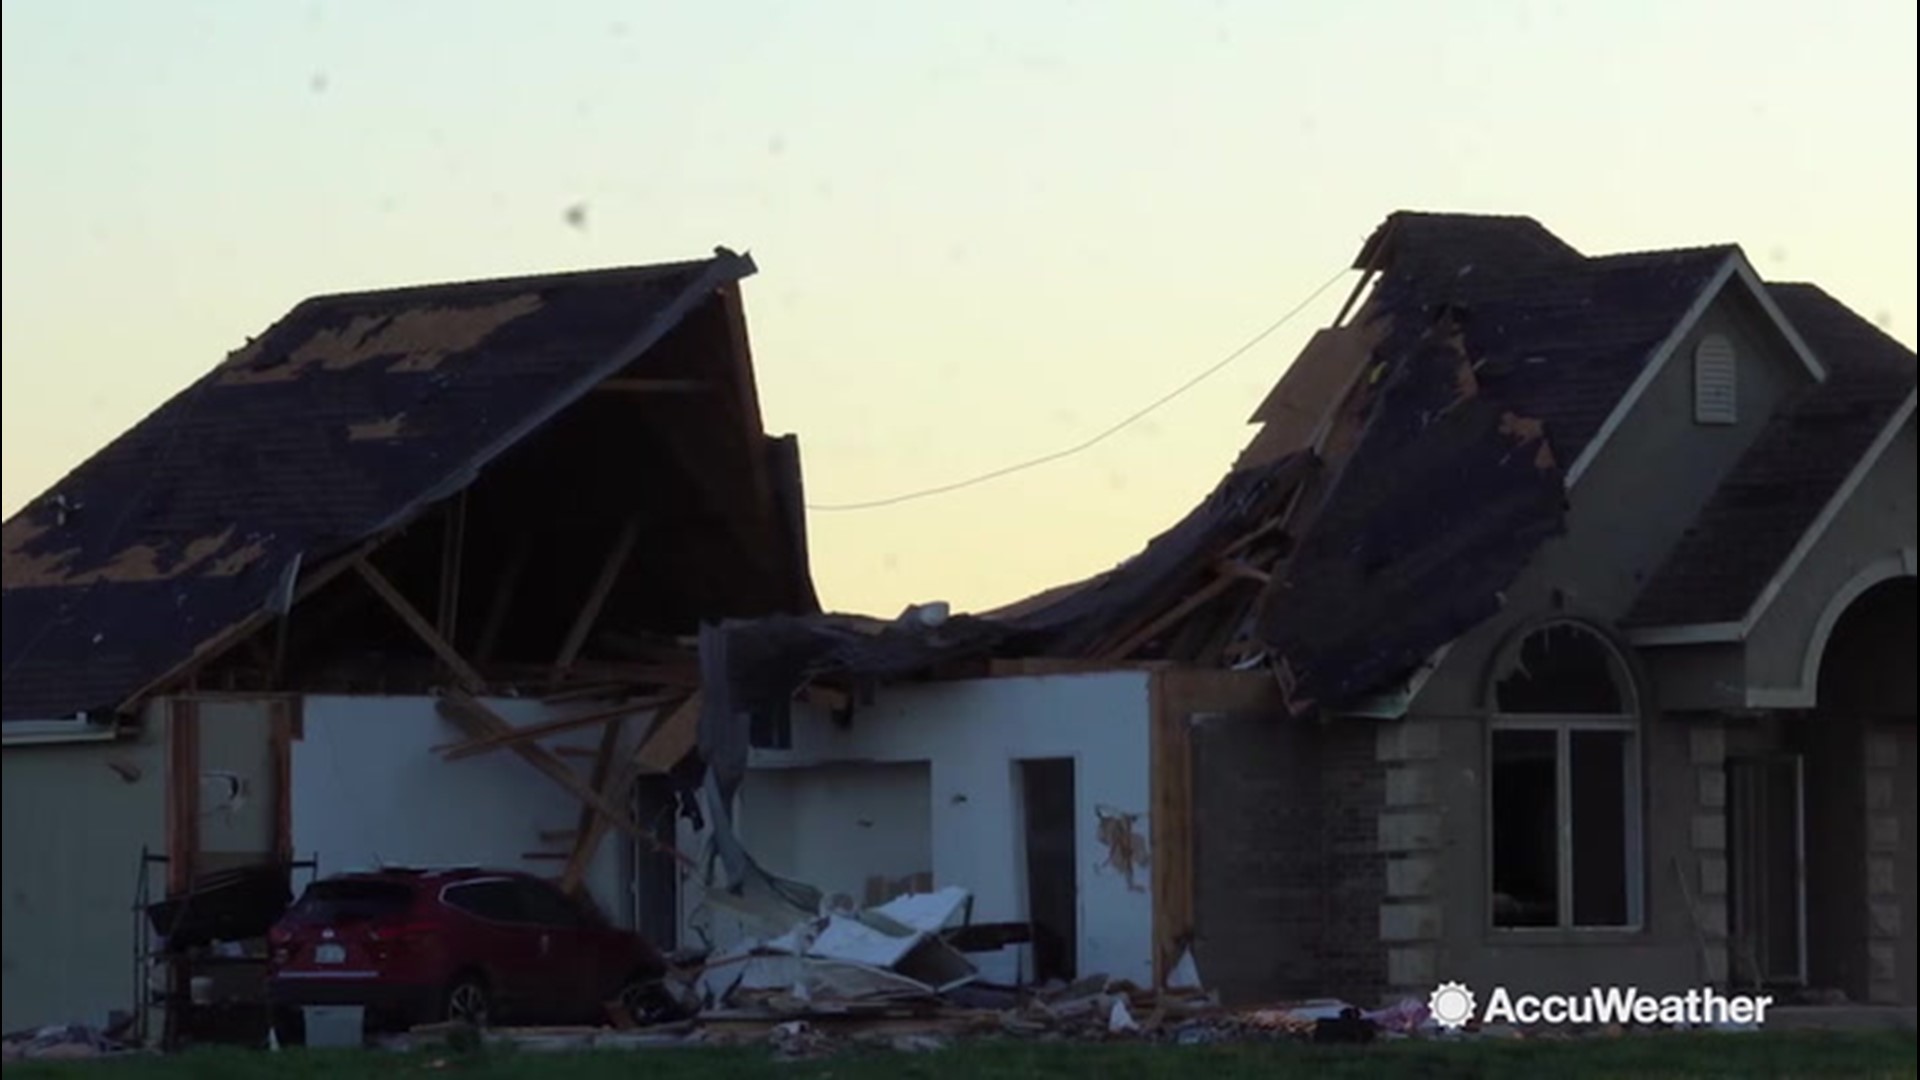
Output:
(1454, 1006)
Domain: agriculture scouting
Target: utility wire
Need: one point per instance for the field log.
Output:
(1102, 436)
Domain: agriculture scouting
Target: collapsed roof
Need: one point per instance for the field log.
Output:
(1408, 466)
(354, 416)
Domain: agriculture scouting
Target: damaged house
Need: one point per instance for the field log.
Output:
(450, 518)
(1554, 629)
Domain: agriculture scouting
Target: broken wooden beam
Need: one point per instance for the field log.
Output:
(453, 545)
(546, 728)
(469, 678)
(1239, 569)
(304, 586)
(1169, 618)
(661, 748)
(615, 562)
(503, 592)
(605, 769)
(672, 738)
(479, 720)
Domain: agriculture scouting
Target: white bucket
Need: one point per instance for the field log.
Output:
(335, 1025)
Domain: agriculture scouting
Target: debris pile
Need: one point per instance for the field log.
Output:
(915, 973)
(894, 951)
(60, 1042)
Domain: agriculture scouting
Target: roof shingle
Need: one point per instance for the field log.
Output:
(1794, 469)
(338, 422)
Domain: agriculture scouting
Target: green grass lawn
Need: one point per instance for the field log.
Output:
(1888, 1054)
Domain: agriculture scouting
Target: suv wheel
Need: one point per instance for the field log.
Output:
(469, 1003)
(647, 1001)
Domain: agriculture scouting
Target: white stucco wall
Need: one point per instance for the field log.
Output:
(367, 788)
(837, 825)
(76, 817)
(970, 734)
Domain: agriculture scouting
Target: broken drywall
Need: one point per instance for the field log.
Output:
(1126, 845)
(971, 734)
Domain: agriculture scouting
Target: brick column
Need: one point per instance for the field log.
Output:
(1708, 752)
(1409, 841)
(1882, 762)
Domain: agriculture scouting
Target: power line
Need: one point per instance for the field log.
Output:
(1102, 436)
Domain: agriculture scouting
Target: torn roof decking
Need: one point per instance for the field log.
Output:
(1500, 353)
(348, 417)
(1798, 464)
(1494, 354)
(1556, 335)
(765, 660)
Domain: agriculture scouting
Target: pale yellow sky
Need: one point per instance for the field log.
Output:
(984, 234)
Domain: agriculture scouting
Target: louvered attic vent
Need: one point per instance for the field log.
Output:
(1716, 387)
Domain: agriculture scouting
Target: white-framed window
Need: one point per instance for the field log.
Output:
(1716, 381)
(1564, 772)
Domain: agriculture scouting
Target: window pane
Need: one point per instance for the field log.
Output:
(352, 901)
(547, 906)
(1562, 669)
(496, 901)
(1526, 843)
(1599, 768)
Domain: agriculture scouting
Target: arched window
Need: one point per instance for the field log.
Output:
(1564, 783)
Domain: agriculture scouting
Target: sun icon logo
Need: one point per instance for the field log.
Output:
(1451, 1004)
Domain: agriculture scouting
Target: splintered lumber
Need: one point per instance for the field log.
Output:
(479, 721)
(1236, 568)
(591, 823)
(614, 788)
(469, 678)
(1298, 411)
(558, 726)
(672, 738)
(503, 592)
(669, 740)
(1199, 598)
(615, 562)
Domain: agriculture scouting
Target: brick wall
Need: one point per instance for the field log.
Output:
(1353, 961)
(1257, 856)
(1288, 878)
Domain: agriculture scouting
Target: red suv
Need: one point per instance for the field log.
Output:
(416, 946)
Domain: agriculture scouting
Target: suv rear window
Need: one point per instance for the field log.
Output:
(351, 901)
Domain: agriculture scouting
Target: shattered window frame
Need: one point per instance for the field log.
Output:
(1567, 728)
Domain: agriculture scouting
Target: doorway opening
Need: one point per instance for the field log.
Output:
(1767, 869)
(1047, 794)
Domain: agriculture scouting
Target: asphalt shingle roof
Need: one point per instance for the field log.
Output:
(340, 421)
(1794, 469)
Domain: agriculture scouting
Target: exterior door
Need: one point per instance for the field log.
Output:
(1766, 866)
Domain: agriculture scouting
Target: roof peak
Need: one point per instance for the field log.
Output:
(1411, 239)
(542, 279)
(1426, 240)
